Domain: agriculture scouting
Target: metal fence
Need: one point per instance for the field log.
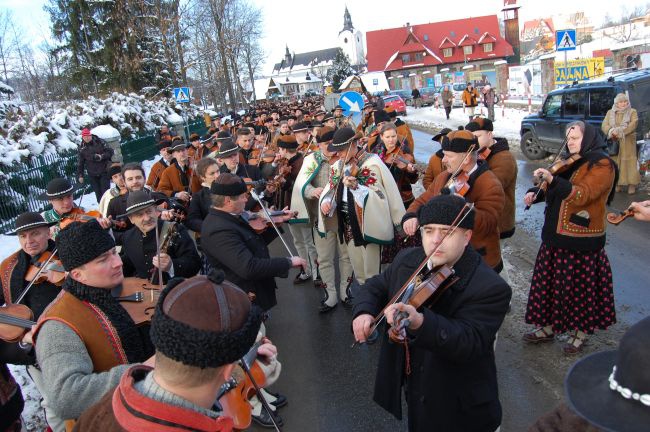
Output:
(23, 183)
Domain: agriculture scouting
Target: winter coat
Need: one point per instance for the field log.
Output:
(487, 195)
(230, 244)
(117, 209)
(156, 171)
(199, 208)
(626, 159)
(453, 383)
(447, 97)
(415, 93)
(173, 180)
(489, 98)
(470, 98)
(404, 130)
(433, 169)
(94, 157)
(504, 165)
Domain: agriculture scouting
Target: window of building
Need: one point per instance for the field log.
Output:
(419, 57)
(452, 34)
(447, 52)
(406, 58)
(488, 47)
(345, 40)
(467, 49)
(426, 37)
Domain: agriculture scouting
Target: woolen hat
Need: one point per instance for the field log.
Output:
(391, 112)
(342, 139)
(139, 200)
(480, 123)
(85, 132)
(204, 321)
(326, 134)
(459, 141)
(218, 187)
(29, 220)
(622, 401)
(81, 242)
(443, 132)
(114, 169)
(287, 141)
(58, 188)
(300, 126)
(381, 116)
(443, 210)
(228, 148)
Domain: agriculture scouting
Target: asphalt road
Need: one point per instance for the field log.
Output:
(329, 384)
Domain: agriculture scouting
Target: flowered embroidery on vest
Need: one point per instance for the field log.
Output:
(113, 338)
(366, 177)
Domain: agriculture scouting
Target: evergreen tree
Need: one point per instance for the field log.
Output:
(340, 70)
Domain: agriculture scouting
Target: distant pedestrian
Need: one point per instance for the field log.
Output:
(95, 158)
(620, 124)
(447, 97)
(417, 98)
(470, 99)
(489, 99)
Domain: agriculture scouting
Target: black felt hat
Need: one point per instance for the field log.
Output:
(326, 134)
(342, 139)
(459, 141)
(228, 148)
(439, 135)
(480, 123)
(204, 321)
(219, 187)
(327, 117)
(58, 188)
(29, 220)
(206, 139)
(300, 126)
(381, 116)
(81, 242)
(443, 210)
(223, 135)
(164, 144)
(611, 389)
(178, 145)
(139, 200)
(287, 141)
(338, 107)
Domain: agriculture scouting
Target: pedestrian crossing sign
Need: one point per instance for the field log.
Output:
(182, 94)
(565, 40)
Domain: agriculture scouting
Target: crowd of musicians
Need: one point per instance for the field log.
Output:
(149, 313)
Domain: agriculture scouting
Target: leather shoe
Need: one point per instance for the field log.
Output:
(318, 282)
(264, 419)
(347, 303)
(325, 308)
(280, 400)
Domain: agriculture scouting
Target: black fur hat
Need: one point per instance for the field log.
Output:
(459, 141)
(204, 321)
(79, 243)
(443, 210)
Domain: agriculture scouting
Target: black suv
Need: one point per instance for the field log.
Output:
(543, 133)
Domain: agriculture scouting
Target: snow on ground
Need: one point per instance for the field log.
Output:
(506, 123)
(33, 414)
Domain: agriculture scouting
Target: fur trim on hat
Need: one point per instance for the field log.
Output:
(443, 210)
(459, 142)
(79, 243)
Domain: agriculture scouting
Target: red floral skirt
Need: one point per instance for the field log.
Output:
(571, 290)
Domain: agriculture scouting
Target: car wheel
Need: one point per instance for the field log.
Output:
(403, 114)
(531, 148)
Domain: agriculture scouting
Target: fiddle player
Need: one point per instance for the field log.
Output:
(446, 364)
(115, 174)
(197, 350)
(160, 165)
(485, 191)
(208, 170)
(367, 202)
(232, 245)
(244, 139)
(140, 254)
(391, 149)
(59, 193)
(373, 140)
(85, 339)
(34, 237)
(307, 189)
(402, 128)
(435, 167)
(177, 180)
(302, 234)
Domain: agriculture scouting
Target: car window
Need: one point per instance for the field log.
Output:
(600, 101)
(390, 98)
(574, 103)
(553, 105)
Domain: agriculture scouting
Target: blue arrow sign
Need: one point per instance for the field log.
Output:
(182, 94)
(565, 40)
(351, 102)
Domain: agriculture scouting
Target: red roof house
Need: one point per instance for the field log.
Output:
(446, 42)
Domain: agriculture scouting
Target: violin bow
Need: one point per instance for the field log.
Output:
(268, 215)
(460, 217)
(38, 273)
(260, 396)
(160, 278)
(557, 156)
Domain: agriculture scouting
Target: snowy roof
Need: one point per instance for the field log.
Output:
(105, 132)
(4, 88)
(174, 119)
(370, 77)
(310, 58)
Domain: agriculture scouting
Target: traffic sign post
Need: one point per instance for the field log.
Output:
(182, 95)
(565, 40)
(352, 104)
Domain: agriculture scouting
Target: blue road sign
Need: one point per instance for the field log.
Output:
(182, 94)
(565, 40)
(351, 102)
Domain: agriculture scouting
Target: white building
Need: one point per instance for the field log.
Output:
(351, 42)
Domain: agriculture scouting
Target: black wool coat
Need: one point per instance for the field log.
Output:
(230, 244)
(138, 252)
(199, 208)
(94, 157)
(453, 381)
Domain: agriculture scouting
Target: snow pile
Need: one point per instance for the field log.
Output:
(105, 132)
(57, 128)
(6, 89)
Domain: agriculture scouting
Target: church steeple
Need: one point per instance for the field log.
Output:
(287, 55)
(347, 21)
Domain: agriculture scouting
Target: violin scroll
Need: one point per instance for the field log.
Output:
(617, 218)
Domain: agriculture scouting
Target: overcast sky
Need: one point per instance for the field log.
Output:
(308, 25)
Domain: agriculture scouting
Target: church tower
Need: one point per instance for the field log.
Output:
(351, 42)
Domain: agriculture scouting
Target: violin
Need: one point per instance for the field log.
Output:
(139, 298)
(259, 220)
(77, 214)
(617, 218)
(46, 268)
(484, 153)
(15, 320)
(557, 167)
(458, 184)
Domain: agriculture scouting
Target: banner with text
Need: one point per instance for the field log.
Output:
(578, 70)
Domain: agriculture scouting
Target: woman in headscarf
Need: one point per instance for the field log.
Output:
(620, 124)
(571, 289)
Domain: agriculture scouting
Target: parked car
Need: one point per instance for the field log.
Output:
(457, 89)
(544, 132)
(428, 95)
(405, 95)
(311, 93)
(397, 103)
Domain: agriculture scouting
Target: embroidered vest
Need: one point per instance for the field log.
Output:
(6, 269)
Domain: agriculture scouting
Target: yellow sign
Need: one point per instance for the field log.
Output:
(579, 70)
